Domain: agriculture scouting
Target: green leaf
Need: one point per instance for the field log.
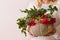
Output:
(55, 8)
(35, 8)
(50, 6)
(19, 27)
(25, 33)
(42, 11)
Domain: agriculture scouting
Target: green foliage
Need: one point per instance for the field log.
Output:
(31, 13)
(22, 25)
(52, 9)
(34, 13)
(41, 11)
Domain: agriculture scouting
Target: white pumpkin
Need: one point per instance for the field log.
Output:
(41, 29)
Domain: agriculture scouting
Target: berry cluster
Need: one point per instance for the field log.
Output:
(44, 20)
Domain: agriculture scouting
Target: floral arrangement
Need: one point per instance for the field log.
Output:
(35, 16)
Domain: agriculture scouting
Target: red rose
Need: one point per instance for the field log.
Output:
(32, 23)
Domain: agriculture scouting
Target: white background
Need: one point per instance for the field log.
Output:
(9, 12)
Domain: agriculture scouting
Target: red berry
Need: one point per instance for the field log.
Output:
(44, 16)
(52, 21)
(44, 21)
(32, 23)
